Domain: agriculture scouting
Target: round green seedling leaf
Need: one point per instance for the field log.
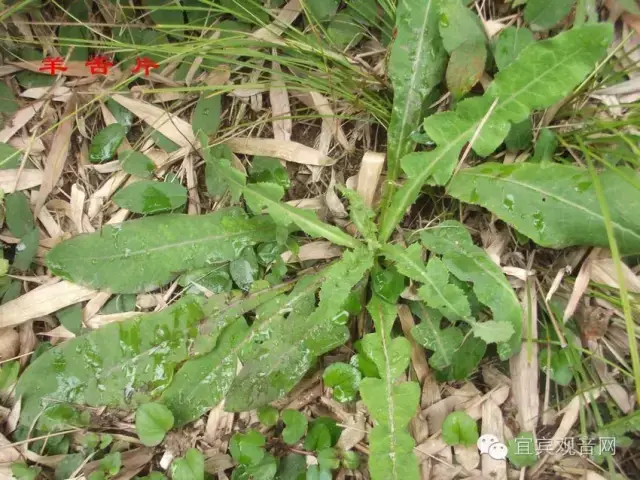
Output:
(344, 379)
(296, 426)
(153, 421)
(268, 416)
(106, 142)
(189, 467)
(459, 429)
(247, 448)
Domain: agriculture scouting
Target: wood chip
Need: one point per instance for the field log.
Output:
(58, 154)
(289, 151)
(42, 301)
(369, 176)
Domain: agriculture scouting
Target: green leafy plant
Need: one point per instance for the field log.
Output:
(184, 358)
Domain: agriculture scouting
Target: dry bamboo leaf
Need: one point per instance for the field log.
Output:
(329, 119)
(319, 250)
(26, 179)
(524, 368)
(332, 200)
(418, 357)
(42, 301)
(19, 120)
(285, 18)
(493, 27)
(617, 392)
(8, 455)
(77, 206)
(57, 156)
(369, 176)
(289, 151)
(74, 68)
(171, 126)
(59, 94)
(467, 456)
(493, 424)
(580, 286)
(280, 107)
(28, 341)
(603, 270)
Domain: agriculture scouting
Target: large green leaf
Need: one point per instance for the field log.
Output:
(543, 14)
(391, 404)
(144, 254)
(123, 364)
(288, 347)
(459, 25)
(416, 66)
(544, 73)
(442, 342)
(555, 205)
(472, 264)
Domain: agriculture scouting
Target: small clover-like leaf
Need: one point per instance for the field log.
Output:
(247, 448)
(153, 421)
(296, 425)
(268, 415)
(459, 429)
(344, 379)
(189, 467)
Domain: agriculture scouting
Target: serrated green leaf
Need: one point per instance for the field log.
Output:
(247, 448)
(387, 283)
(391, 405)
(18, 214)
(295, 426)
(522, 450)
(511, 41)
(492, 331)
(202, 383)
(620, 426)
(465, 68)
(544, 73)
(268, 195)
(416, 66)
(360, 214)
(443, 342)
(106, 142)
(459, 429)
(206, 116)
(136, 164)
(543, 15)
(459, 25)
(153, 421)
(472, 264)
(344, 379)
(268, 415)
(291, 346)
(244, 269)
(436, 292)
(555, 205)
(207, 280)
(144, 254)
(149, 197)
(189, 467)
